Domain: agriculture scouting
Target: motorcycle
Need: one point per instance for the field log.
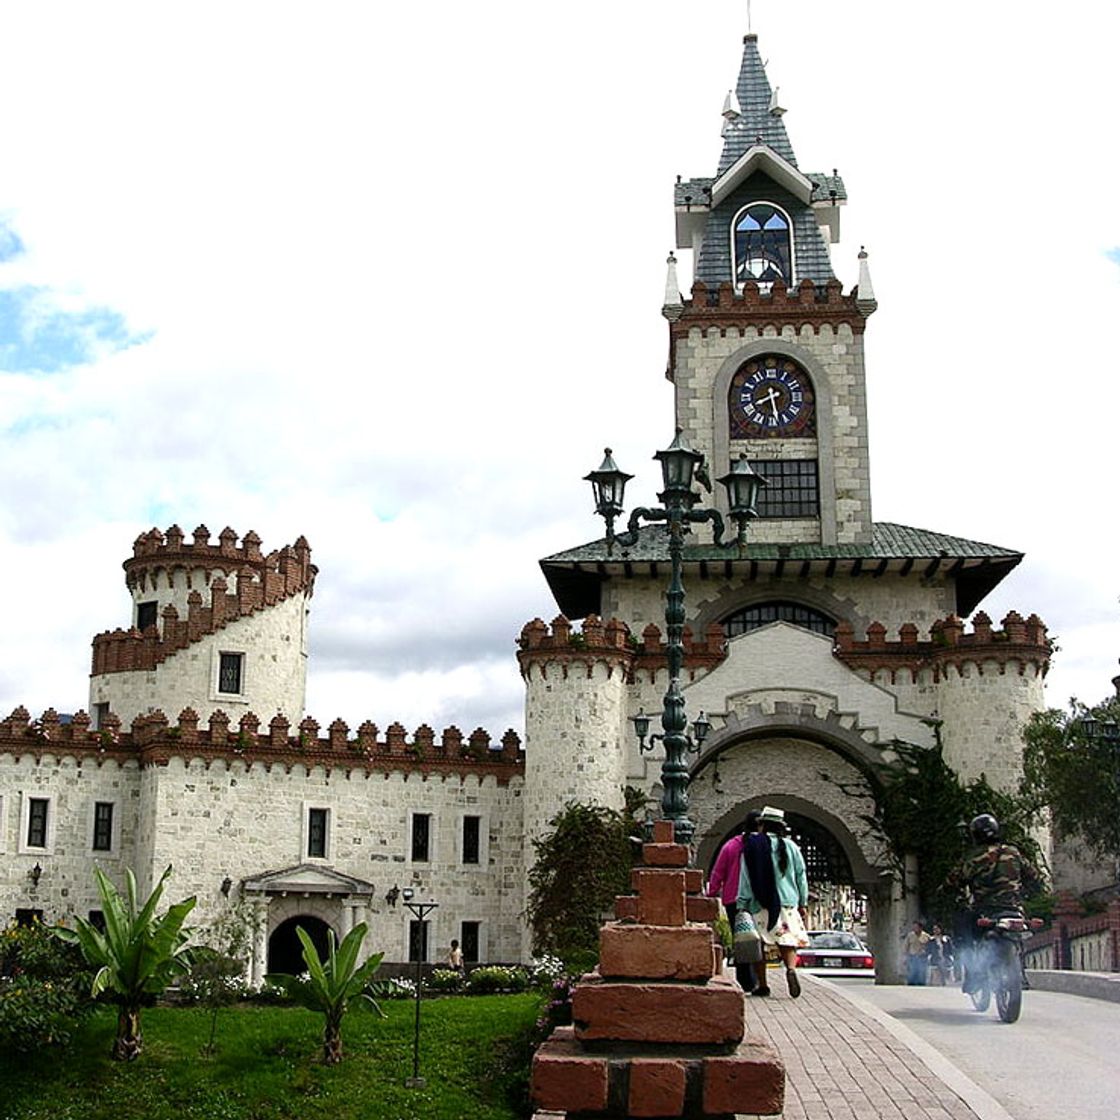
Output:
(997, 963)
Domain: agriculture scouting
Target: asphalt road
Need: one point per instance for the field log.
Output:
(1060, 1060)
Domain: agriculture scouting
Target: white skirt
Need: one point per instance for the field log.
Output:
(788, 930)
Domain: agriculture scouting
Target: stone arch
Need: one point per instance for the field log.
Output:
(285, 950)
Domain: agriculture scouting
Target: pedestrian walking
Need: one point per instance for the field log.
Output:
(776, 890)
(939, 953)
(723, 883)
(915, 944)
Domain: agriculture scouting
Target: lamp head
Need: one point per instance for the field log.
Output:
(609, 486)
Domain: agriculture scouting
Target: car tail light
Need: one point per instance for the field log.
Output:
(1036, 923)
(984, 923)
(806, 960)
(1012, 923)
(865, 962)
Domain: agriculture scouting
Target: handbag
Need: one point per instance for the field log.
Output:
(746, 940)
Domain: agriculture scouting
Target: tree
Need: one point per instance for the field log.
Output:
(136, 957)
(218, 956)
(331, 985)
(1077, 774)
(581, 864)
(921, 808)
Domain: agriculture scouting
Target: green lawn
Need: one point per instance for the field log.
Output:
(268, 1066)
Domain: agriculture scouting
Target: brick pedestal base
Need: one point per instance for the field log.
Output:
(658, 1030)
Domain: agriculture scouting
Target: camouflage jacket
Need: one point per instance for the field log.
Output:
(995, 876)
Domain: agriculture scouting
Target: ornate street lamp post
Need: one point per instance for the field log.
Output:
(421, 910)
(680, 464)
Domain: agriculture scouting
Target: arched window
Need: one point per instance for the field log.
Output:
(762, 241)
(761, 614)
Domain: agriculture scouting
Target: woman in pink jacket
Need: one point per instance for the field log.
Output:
(723, 883)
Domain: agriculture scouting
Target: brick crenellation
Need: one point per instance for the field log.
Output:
(261, 582)
(154, 740)
(1021, 641)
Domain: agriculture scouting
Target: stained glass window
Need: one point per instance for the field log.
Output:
(763, 245)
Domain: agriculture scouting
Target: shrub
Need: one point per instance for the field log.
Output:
(543, 973)
(497, 978)
(445, 980)
(43, 989)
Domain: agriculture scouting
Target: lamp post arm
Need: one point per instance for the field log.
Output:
(637, 516)
(718, 526)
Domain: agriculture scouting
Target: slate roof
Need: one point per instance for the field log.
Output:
(575, 575)
(756, 123)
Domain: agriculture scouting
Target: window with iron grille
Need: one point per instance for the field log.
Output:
(317, 820)
(229, 672)
(792, 488)
(37, 808)
(103, 826)
(761, 614)
(471, 839)
(421, 831)
(468, 941)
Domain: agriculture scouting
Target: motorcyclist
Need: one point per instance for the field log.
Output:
(995, 875)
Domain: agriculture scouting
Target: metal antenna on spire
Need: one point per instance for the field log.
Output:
(748, 17)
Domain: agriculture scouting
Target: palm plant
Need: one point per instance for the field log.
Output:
(136, 956)
(331, 985)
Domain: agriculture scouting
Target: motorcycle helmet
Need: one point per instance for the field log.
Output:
(984, 828)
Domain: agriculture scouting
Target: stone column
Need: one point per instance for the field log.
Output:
(260, 941)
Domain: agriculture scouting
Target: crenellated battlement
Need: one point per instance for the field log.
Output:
(280, 573)
(258, 582)
(805, 303)
(154, 740)
(612, 641)
(1021, 641)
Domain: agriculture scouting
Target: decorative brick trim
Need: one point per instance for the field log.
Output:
(613, 643)
(804, 305)
(1020, 642)
(262, 581)
(152, 741)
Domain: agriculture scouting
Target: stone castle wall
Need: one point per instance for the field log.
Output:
(216, 802)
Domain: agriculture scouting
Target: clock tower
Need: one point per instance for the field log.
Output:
(767, 355)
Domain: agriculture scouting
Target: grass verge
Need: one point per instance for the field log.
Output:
(268, 1066)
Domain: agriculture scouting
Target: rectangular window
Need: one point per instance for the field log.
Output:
(792, 488)
(470, 839)
(317, 820)
(100, 714)
(418, 940)
(97, 920)
(103, 826)
(146, 615)
(468, 942)
(37, 822)
(230, 667)
(421, 837)
(28, 917)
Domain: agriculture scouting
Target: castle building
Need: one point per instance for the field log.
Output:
(814, 649)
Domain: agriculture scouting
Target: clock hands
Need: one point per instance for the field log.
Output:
(772, 399)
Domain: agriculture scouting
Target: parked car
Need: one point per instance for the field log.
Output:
(836, 952)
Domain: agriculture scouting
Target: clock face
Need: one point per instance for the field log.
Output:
(771, 396)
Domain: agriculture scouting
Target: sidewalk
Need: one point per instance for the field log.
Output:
(845, 1060)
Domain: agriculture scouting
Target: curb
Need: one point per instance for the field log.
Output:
(982, 1103)
(1092, 985)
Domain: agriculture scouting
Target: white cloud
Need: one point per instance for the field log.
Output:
(401, 269)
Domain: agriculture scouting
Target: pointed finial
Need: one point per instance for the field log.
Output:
(775, 109)
(731, 110)
(673, 307)
(865, 293)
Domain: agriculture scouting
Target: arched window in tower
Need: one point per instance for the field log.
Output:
(762, 243)
(762, 614)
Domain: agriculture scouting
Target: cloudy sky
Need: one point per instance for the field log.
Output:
(389, 276)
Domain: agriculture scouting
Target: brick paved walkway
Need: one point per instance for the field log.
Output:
(841, 1064)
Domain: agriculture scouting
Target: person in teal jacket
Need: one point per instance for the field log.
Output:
(776, 890)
